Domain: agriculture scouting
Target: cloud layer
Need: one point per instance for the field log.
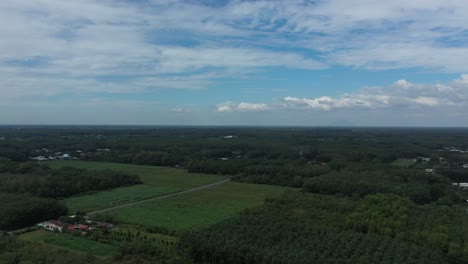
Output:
(81, 46)
(401, 94)
(55, 51)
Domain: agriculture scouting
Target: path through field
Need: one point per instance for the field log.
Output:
(133, 203)
(159, 197)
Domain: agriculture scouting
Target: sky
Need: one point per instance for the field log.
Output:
(233, 62)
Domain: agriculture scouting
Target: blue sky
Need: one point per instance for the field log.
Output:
(206, 62)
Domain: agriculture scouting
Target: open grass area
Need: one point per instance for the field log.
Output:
(150, 175)
(118, 196)
(200, 208)
(70, 242)
(35, 236)
(402, 162)
(157, 181)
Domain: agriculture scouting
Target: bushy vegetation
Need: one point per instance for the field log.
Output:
(41, 180)
(419, 186)
(19, 210)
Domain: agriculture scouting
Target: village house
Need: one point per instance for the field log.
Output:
(52, 225)
(82, 228)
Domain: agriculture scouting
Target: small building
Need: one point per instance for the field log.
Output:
(105, 225)
(465, 166)
(78, 227)
(52, 225)
(40, 158)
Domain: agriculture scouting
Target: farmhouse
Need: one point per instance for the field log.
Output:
(52, 225)
(82, 228)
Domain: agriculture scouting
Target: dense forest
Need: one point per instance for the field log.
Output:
(311, 228)
(18, 211)
(42, 181)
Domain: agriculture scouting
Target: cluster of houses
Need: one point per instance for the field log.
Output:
(59, 226)
(422, 159)
(48, 155)
(57, 156)
(454, 149)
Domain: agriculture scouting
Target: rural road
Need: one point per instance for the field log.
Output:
(158, 197)
(134, 203)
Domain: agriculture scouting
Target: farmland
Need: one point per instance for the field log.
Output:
(70, 242)
(115, 197)
(157, 181)
(198, 209)
(150, 175)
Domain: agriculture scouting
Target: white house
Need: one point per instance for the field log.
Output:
(465, 166)
(52, 225)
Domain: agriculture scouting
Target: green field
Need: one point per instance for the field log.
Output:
(157, 181)
(114, 197)
(70, 242)
(402, 162)
(200, 208)
(150, 175)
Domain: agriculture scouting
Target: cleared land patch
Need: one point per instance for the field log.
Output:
(200, 208)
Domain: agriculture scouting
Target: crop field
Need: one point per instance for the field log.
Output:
(150, 175)
(157, 181)
(200, 208)
(114, 197)
(70, 242)
(36, 236)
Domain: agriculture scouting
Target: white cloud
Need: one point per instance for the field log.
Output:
(401, 95)
(241, 107)
(88, 39)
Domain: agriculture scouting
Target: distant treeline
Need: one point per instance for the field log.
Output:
(419, 186)
(278, 156)
(41, 180)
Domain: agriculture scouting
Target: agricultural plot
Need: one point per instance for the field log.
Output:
(70, 242)
(157, 181)
(200, 208)
(115, 197)
(150, 175)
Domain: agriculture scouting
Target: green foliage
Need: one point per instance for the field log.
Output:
(41, 180)
(418, 186)
(382, 214)
(290, 230)
(18, 211)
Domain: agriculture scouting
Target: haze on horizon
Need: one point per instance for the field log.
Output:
(220, 62)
